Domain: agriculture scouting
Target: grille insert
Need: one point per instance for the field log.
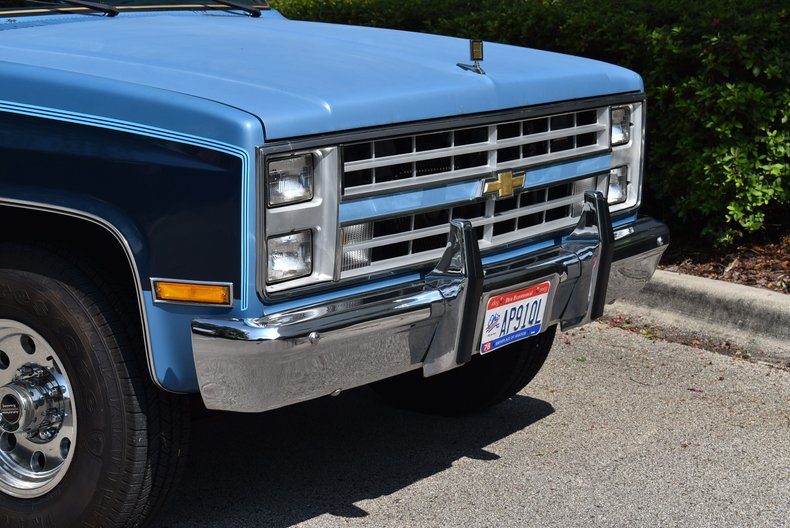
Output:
(417, 160)
(433, 159)
(421, 237)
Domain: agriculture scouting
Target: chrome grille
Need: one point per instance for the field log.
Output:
(401, 163)
(408, 163)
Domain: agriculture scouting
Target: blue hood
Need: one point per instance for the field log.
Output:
(303, 78)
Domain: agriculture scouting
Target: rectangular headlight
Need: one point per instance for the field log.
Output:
(621, 125)
(290, 180)
(618, 185)
(289, 256)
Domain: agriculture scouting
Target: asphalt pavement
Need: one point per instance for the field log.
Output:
(616, 430)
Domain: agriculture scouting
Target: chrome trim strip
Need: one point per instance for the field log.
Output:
(576, 153)
(154, 280)
(81, 215)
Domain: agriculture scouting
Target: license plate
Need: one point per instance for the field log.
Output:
(513, 316)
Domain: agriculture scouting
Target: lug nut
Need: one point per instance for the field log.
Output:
(47, 434)
(30, 371)
(54, 416)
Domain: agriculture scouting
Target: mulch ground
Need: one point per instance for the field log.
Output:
(765, 265)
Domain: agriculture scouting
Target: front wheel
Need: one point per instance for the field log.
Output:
(485, 381)
(85, 439)
(38, 421)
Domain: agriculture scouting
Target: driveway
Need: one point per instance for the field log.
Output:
(616, 430)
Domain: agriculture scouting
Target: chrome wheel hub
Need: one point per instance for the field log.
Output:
(38, 425)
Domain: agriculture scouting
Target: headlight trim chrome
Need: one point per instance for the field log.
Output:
(319, 215)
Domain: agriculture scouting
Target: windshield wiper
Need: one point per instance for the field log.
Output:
(96, 6)
(254, 12)
(104, 8)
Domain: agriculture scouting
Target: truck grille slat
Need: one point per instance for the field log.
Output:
(468, 149)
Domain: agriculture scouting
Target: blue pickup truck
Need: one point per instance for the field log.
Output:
(210, 199)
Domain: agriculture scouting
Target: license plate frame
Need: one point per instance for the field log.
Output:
(501, 311)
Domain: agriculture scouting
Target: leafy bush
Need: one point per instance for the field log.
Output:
(725, 122)
(717, 75)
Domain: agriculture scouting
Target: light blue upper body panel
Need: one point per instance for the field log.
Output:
(302, 78)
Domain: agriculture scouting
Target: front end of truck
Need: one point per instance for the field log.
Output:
(409, 237)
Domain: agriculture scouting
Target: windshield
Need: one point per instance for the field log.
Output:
(38, 7)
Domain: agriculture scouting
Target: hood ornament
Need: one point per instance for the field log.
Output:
(475, 55)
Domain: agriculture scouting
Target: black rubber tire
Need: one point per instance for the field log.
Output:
(483, 382)
(131, 437)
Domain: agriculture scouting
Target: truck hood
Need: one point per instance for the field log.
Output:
(304, 78)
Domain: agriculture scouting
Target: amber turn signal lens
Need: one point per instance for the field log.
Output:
(192, 293)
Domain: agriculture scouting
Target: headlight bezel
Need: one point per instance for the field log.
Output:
(319, 215)
(631, 155)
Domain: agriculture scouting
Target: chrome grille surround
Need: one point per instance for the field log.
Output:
(533, 140)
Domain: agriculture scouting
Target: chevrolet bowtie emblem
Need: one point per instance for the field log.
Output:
(504, 184)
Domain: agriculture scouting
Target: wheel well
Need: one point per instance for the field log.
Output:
(83, 240)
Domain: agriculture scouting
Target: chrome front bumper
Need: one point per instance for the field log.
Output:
(256, 364)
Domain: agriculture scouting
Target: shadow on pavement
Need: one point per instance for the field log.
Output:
(290, 465)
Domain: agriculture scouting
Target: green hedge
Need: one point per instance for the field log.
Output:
(717, 74)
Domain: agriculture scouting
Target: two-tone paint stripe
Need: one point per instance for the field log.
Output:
(158, 133)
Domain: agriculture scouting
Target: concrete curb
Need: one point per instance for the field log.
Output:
(752, 317)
